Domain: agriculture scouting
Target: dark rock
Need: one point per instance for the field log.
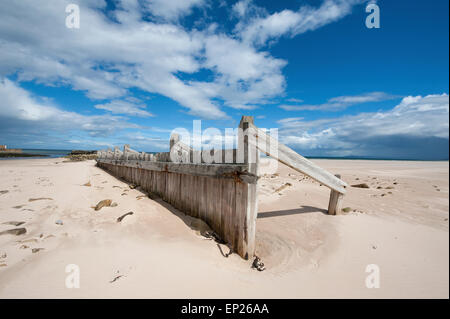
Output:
(258, 264)
(119, 219)
(15, 231)
(363, 185)
(103, 203)
(40, 198)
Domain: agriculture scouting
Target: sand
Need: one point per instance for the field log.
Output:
(399, 224)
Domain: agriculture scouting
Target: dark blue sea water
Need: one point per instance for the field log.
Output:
(49, 153)
(62, 153)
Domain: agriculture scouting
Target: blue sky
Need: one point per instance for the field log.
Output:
(135, 70)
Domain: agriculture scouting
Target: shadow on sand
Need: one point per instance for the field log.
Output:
(302, 210)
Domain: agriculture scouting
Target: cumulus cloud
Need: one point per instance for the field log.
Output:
(416, 121)
(340, 102)
(173, 9)
(21, 112)
(116, 51)
(245, 76)
(287, 22)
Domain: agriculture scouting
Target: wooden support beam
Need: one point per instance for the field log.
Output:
(335, 204)
(251, 158)
(295, 161)
(238, 172)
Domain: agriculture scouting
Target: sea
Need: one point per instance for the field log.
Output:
(46, 153)
(61, 153)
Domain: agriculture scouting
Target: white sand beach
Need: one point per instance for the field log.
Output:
(400, 224)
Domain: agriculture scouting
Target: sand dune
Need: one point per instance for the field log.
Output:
(399, 223)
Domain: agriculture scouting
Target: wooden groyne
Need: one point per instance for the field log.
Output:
(220, 191)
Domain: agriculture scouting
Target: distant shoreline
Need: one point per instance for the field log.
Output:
(53, 153)
(16, 155)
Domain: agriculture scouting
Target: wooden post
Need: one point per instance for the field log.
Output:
(334, 206)
(251, 157)
(174, 138)
(294, 160)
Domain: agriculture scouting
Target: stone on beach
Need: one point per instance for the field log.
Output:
(279, 189)
(363, 185)
(40, 198)
(15, 231)
(103, 203)
(119, 219)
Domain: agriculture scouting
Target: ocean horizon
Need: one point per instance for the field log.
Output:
(55, 153)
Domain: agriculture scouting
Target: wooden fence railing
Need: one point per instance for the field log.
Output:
(221, 194)
(222, 191)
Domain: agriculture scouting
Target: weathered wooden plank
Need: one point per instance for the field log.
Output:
(249, 197)
(226, 198)
(294, 160)
(195, 205)
(251, 214)
(212, 199)
(238, 218)
(177, 188)
(202, 197)
(335, 203)
(234, 171)
(217, 205)
(216, 193)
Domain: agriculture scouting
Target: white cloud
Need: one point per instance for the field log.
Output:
(103, 58)
(22, 112)
(245, 76)
(115, 52)
(340, 102)
(240, 8)
(172, 9)
(416, 117)
(124, 107)
(292, 23)
(294, 100)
